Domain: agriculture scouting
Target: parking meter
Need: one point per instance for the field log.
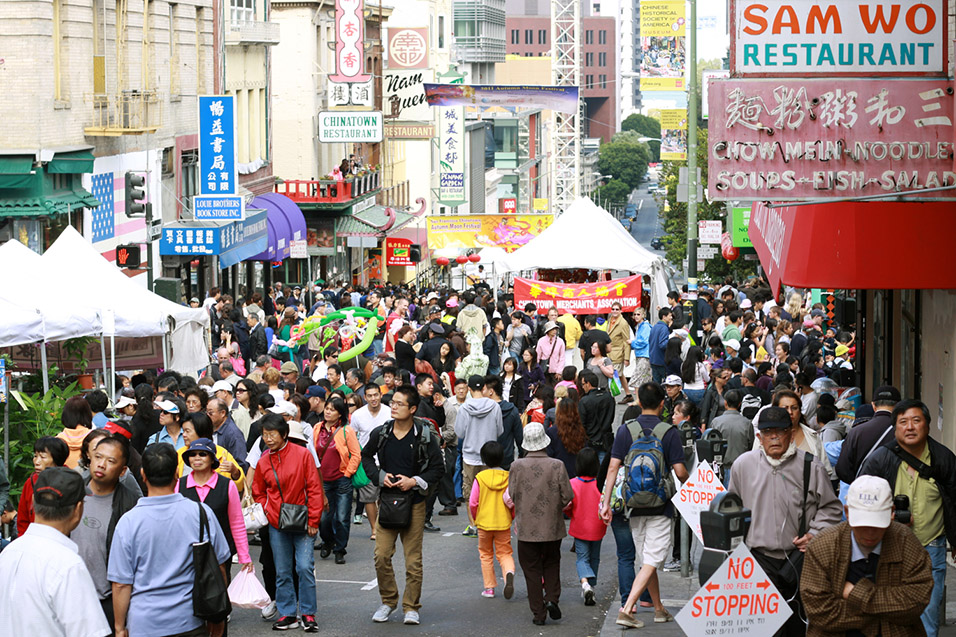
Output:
(712, 447)
(724, 526)
(686, 430)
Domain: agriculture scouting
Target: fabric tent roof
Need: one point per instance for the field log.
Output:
(61, 317)
(587, 236)
(497, 257)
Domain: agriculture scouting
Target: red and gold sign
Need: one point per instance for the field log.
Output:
(584, 298)
(397, 252)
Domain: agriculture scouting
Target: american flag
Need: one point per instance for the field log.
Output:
(108, 224)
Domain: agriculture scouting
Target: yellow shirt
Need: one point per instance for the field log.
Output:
(222, 456)
(926, 502)
(572, 330)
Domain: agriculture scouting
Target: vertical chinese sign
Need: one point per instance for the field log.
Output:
(351, 85)
(664, 57)
(451, 148)
(218, 196)
(674, 134)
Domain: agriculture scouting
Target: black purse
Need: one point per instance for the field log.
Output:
(210, 597)
(293, 518)
(395, 510)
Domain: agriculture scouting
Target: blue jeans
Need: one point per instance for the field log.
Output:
(626, 554)
(458, 475)
(285, 547)
(930, 616)
(588, 556)
(695, 395)
(334, 527)
(658, 374)
(378, 346)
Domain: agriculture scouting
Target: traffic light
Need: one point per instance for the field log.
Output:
(415, 253)
(128, 256)
(135, 194)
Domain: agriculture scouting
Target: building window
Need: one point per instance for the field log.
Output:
(189, 165)
(588, 59)
(602, 59)
(173, 53)
(514, 37)
(588, 81)
(542, 36)
(529, 36)
(441, 32)
(59, 85)
(243, 10)
(99, 48)
(603, 80)
(602, 37)
(589, 37)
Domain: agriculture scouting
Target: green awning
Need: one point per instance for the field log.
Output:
(15, 171)
(60, 203)
(369, 221)
(74, 161)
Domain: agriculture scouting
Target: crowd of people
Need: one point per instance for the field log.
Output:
(465, 399)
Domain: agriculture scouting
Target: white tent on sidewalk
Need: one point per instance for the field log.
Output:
(587, 236)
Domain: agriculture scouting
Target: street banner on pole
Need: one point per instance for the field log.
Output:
(696, 494)
(663, 58)
(579, 298)
(674, 134)
(563, 99)
(738, 599)
(218, 197)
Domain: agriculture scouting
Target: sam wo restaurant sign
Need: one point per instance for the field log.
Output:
(818, 139)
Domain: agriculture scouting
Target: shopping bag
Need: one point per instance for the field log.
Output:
(614, 385)
(246, 591)
(253, 514)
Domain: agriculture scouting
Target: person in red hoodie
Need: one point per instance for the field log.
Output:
(587, 528)
(47, 452)
(286, 474)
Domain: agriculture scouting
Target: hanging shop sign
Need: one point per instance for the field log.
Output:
(350, 126)
(231, 242)
(674, 134)
(411, 130)
(397, 251)
(663, 51)
(218, 164)
(404, 95)
(508, 232)
(804, 38)
(350, 42)
(813, 139)
(451, 154)
(408, 48)
(740, 226)
(579, 298)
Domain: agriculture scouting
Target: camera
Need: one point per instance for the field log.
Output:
(902, 513)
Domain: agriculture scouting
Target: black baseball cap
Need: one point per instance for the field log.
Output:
(476, 382)
(59, 486)
(886, 393)
(774, 418)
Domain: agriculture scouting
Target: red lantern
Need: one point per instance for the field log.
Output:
(442, 261)
(727, 249)
(474, 258)
(461, 260)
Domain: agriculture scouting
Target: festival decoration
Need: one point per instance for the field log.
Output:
(474, 258)
(460, 260)
(357, 324)
(442, 261)
(727, 249)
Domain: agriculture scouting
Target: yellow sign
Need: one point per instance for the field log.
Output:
(508, 232)
(663, 57)
(662, 18)
(540, 203)
(674, 134)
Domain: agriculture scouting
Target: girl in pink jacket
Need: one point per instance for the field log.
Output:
(587, 528)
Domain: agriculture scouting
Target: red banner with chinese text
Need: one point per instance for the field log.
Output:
(579, 298)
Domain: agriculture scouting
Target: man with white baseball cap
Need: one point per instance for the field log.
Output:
(868, 575)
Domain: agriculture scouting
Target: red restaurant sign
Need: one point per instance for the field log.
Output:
(396, 251)
(579, 298)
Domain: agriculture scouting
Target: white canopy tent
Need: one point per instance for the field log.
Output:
(587, 236)
(20, 324)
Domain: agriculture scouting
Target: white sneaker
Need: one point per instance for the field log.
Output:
(587, 593)
(411, 617)
(357, 519)
(381, 615)
(269, 611)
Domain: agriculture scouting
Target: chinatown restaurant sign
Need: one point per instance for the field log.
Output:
(811, 139)
(583, 298)
(805, 38)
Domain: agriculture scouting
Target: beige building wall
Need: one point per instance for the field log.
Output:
(938, 391)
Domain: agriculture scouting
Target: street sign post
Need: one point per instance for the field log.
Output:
(738, 599)
(710, 230)
(696, 494)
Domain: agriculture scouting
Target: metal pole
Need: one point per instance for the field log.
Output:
(165, 354)
(149, 247)
(46, 375)
(106, 379)
(692, 171)
(112, 356)
(684, 545)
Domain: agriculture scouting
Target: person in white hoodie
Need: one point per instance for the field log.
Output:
(478, 421)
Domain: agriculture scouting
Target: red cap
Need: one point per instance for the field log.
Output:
(115, 428)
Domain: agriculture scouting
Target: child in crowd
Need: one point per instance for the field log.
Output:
(586, 528)
(568, 374)
(493, 520)
(47, 452)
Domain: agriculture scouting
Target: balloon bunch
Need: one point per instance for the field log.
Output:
(357, 323)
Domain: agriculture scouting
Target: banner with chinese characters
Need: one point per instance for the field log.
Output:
(807, 139)
(508, 232)
(408, 48)
(663, 53)
(674, 134)
(350, 85)
(451, 151)
(218, 164)
(579, 298)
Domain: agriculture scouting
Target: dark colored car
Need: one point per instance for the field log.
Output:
(658, 243)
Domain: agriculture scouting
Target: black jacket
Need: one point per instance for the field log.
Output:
(257, 343)
(710, 406)
(858, 443)
(431, 463)
(490, 348)
(513, 433)
(123, 501)
(885, 463)
(516, 393)
(597, 415)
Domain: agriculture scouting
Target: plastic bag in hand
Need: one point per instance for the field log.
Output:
(246, 591)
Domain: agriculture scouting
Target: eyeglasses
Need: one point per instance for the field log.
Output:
(775, 433)
(398, 404)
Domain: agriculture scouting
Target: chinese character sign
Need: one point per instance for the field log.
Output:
(217, 145)
(350, 42)
(674, 134)
(408, 48)
(663, 59)
(583, 298)
(815, 139)
(451, 149)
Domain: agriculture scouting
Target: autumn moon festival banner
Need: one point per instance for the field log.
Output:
(508, 232)
(579, 298)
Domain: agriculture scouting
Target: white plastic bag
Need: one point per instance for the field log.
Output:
(246, 591)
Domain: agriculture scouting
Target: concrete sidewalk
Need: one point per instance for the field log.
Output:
(676, 591)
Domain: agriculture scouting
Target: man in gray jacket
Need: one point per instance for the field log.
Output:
(478, 421)
(791, 500)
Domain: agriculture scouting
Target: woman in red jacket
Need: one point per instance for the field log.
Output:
(339, 454)
(286, 474)
(47, 452)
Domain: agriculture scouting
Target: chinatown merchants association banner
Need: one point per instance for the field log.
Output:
(663, 61)
(579, 298)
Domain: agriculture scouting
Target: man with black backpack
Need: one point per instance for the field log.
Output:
(645, 450)
(409, 468)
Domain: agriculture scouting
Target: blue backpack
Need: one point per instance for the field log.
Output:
(647, 484)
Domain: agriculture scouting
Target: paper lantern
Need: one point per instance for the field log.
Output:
(461, 260)
(442, 261)
(727, 249)
(474, 258)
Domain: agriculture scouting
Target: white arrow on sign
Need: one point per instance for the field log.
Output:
(696, 494)
(738, 599)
